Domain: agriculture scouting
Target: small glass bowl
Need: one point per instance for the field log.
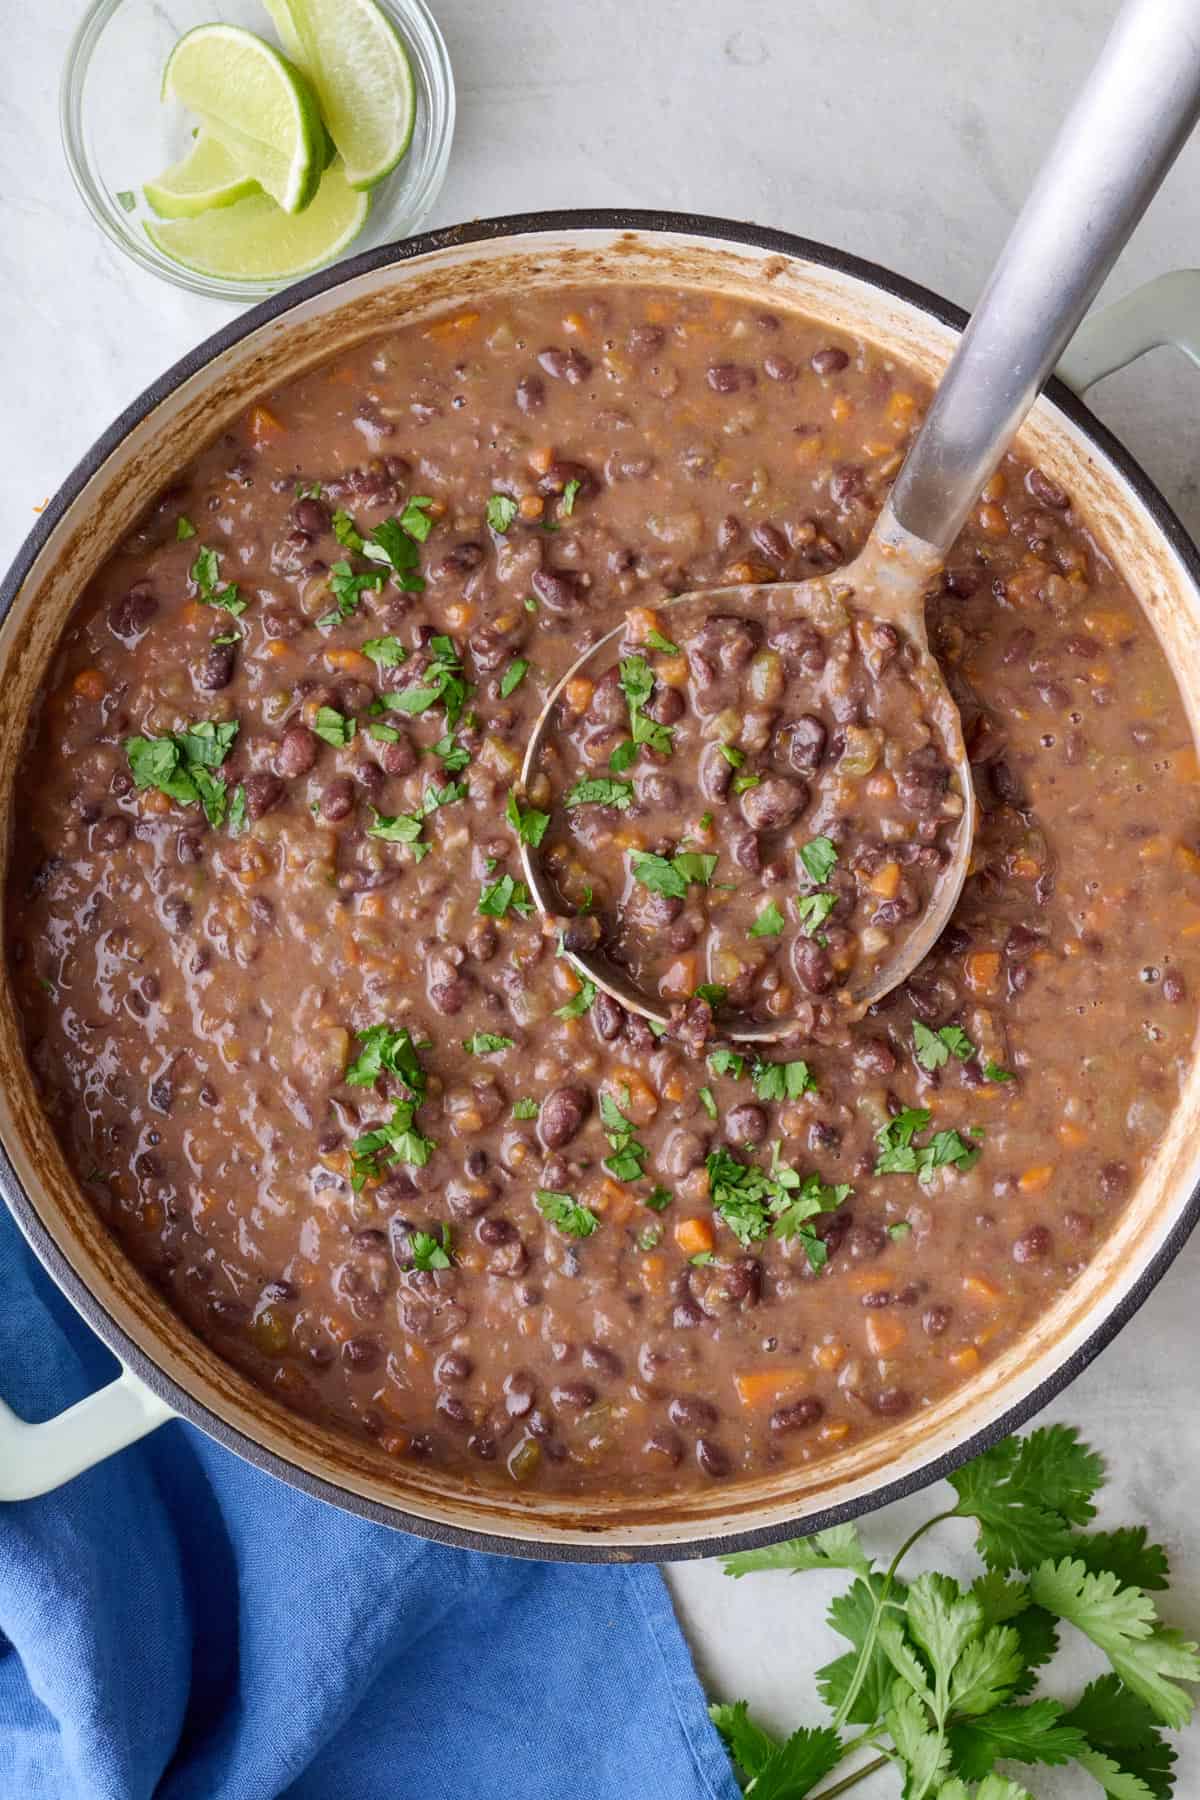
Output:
(118, 133)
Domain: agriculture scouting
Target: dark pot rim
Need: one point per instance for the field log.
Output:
(45, 1246)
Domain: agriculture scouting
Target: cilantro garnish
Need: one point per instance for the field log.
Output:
(628, 1159)
(656, 641)
(513, 676)
(525, 1109)
(733, 756)
(184, 529)
(346, 588)
(899, 1155)
(454, 757)
(334, 727)
(673, 875)
(385, 652)
(743, 783)
(397, 1141)
(579, 1003)
(565, 1212)
(755, 1202)
(179, 763)
(814, 909)
(658, 1199)
(567, 504)
(708, 1102)
(598, 790)
(386, 1050)
(529, 824)
(727, 1062)
(502, 509)
(935, 1048)
(442, 682)
(205, 572)
(819, 856)
(237, 810)
(346, 532)
(782, 1081)
(395, 546)
(637, 684)
(939, 1674)
(714, 993)
(430, 1252)
(406, 828)
(769, 923)
(497, 896)
(992, 1071)
(486, 1043)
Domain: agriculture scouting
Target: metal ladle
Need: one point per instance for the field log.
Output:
(1124, 131)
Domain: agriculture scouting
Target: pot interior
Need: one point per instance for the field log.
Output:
(103, 502)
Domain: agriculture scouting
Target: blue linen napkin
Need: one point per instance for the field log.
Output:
(177, 1623)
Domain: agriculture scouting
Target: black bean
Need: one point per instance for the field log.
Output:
(573, 1396)
(643, 340)
(691, 1413)
(1033, 1244)
(712, 1458)
(601, 1360)
(797, 1416)
(812, 965)
(665, 1444)
(866, 1241)
(449, 997)
(731, 378)
(565, 365)
(780, 368)
(1046, 491)
(520, 1392)
(775, 803)
(561, 472)
(362, 1353)
(495, 1231)
(714, 773)
(129, 617)
(830, 361)
(531, 393)
(607, 1018)
(804, 740)
(216, 671)
(563, 1113)
(746, 1123)
(1174, 988)
(559, 590)
(935, 1320)
(890, 1402)
(263, 791)
(110, 833)
(771, 541)
(399, 758)
(297, 751)
(311, 515)
(337, 800)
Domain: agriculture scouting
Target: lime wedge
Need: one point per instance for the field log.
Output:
(255, 240)
(207, 177)
(362, 75)
(256, 103)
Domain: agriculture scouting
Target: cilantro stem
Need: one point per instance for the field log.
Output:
(848, 1781)
(868, 1649)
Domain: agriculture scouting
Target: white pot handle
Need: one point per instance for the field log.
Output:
(1163, 311)
(36, 1458)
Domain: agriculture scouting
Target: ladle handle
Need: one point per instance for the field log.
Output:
(1128, 125)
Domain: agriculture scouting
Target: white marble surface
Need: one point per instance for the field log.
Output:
(906, 130)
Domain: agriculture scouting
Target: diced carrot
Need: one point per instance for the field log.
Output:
(992, 520)
(89, 684)
(1035, 1178)
(805, 448)
(1153, 849)
(901, 406)
(841, 409)
(1025, 867)
(458, 326)
(1192, 930)
(347, 662)
(527, 1322)
(886, 881)
(995, 486)
(263, 425)
(672, 670)
(1070, 1134)
(884, 1335)
(640, 621)
(674, 1088)
(531, 506)
(979, 1289)
(574, 322)
(982, 970)
(679, 978)
(395, 1443)
(459, 613)
(276, 649)
(829, 1356)
(372, 906)
(985, 1334)
(694, 1236)
(578, 693)
(964, 1360)
(1187, 859)
(749, 572)
(834, 1430)
(151, 801)
(541, 458)
(1185, 765)
(1100, 676)
(764, 1386)
(653, 1274)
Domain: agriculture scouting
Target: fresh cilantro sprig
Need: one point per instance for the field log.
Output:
(388, 1050)
(528, 823)
(628, 1159)
(673, 875)
(565, 1212)
(599, 790)
(940, 1676)
(933, 1050)
(205, 572)
(755, 1202)
(442, 683)
(637, 684)
(430, 1252)
(406, 828)
(900, 1155)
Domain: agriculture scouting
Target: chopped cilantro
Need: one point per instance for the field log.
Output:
(935, 1048)
(513, 676)
(415, 518)
(567, 503)
(754, 1202)
(386, 1050)
(429, 1252)
(637, 684)
(502, 509)
(899, 1155)
(658, 1199)
(442, 681)
(392, 545)
(346, 532)
(727, 1062)
(769, 923)
(743, 783)
(454, 757)
(993, 1072)
(529, 824)
(733, 756)
(237, 810)
(628, 1159)
(396, 1141)
(782, 1081)
(184, 529)
(205, 574)
(673, 875)
(565, 1212)
(178, 765)
(579, 1003)
(525, 1109)
(334, 727)
(656, 641)
(346, 588)
(712, 992)
(707, 1102)
(814, 909)
(901, 1229)
(624, 754)
(385, 652)
(819, 856)
(486, 1043)
(598, 790)
(497, 896)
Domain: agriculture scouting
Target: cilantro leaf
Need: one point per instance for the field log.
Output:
(178, 765)
(727, 1062)
(708, 1102)
(567, 504)
(429, 1252)
(1026, 1493)
(529, 824)
(565, 1213)
(598, 790)
(396, 1141)
(993, 1072)
(748, 1744)
(814, 909)
(1126, 1552)
(237, 810)
(628, 1159)
(346, 532)
(385, 652)
(769, 923)
(782, 1081)
(525, 1109)
(415, 519)
(852, 1616)
(513, 676)
(658, 1199)
(184, 529)
(898, 1155)
(1121, 1728)
(712, 992)
(347, 588)
(837, 1548)
(819, 857)
(656, 641)
(386, 1049)
(391, 544)
(796, 1766)
(579, 1003)
(1122, 1622)
(334, 727)
(1030, 1734)
(497, 897)
(486, 1043)
(993, 1787)
(637, 683)
(924, 1753)
(205, 573)
(502, 509)
(672, 876)
(624, 754)
(935, 1048)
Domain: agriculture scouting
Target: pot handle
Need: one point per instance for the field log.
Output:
(36, 1458)
(1163, 311)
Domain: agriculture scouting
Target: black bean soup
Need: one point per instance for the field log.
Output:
(320, 1065)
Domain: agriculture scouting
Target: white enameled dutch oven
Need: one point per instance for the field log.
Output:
(167, 1372)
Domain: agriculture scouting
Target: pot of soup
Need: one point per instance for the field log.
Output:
(302, 1105)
